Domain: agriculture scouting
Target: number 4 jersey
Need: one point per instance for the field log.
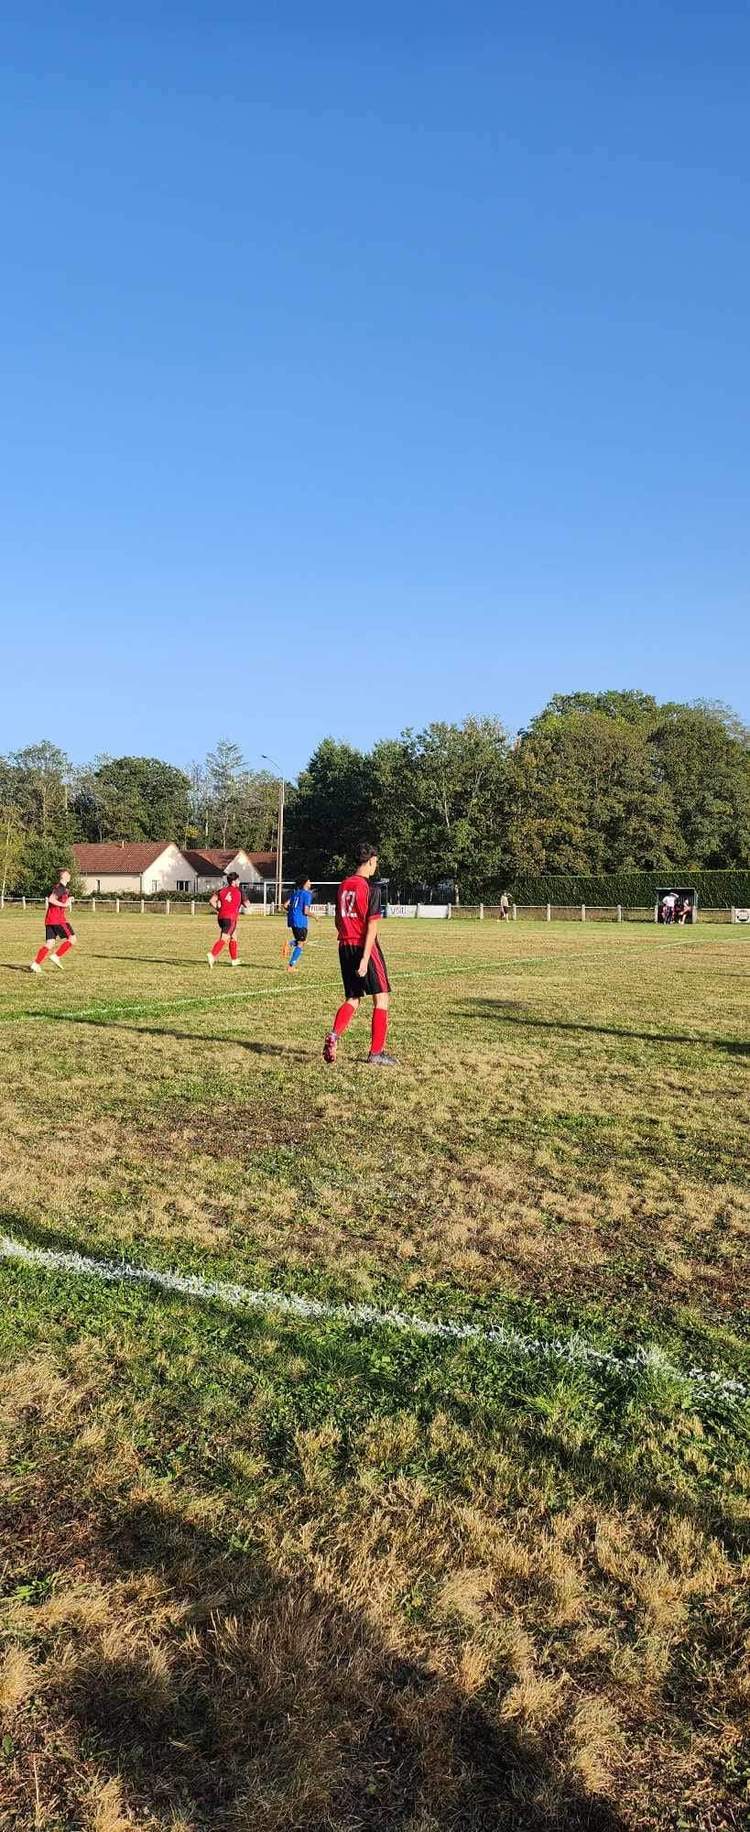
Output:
(359, 901)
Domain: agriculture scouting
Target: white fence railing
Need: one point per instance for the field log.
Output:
(464, 912)
(131, 906)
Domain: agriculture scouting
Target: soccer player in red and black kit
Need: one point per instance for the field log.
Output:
(59, 934)
(227, 903)
(363, 970)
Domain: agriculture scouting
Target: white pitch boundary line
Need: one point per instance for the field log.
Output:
(292, 1304)
(162, 1007)
(141, 1008)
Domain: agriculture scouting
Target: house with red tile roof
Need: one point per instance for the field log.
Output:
(140, 868)
(143, 868)
(211, 863)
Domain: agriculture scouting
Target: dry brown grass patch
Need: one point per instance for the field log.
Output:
(18, 1680)
(106, 1808)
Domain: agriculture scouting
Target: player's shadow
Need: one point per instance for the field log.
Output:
(15, 967)
(143, 960)
(281, 1050)
(508, 1010)
(244, 1692)
(159, 960)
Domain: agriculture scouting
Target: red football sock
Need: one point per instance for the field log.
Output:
(63, 948)
(217, 947)
(343, 1017)
(379, 1030)
(41, 956)
(233, 950)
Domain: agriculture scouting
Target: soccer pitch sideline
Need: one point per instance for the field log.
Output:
(276, 1570)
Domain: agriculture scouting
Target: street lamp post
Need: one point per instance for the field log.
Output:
(280, 839)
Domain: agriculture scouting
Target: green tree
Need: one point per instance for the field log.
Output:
(628, 703)
(225, 769)
(97, 805)
(333, 806)
(199, 823)
(11, 848)
(132, 798)
(702, 756)
(586, 797)
(255, 816)
(442, 795)
(40, 774)
(43, 860)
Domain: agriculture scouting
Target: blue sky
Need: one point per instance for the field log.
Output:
(362, 367)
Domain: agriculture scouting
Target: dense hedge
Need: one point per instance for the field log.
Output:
(717, 890)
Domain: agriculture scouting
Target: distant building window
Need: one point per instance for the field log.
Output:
(183, 884)
(154, 884)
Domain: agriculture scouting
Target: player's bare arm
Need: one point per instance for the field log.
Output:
(370, 939)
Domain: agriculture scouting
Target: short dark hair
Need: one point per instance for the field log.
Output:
(301, 882)
(232, 877)
(365, 851)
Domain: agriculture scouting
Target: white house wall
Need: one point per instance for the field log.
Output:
(169, 870)
(248, 872)
(121, 884)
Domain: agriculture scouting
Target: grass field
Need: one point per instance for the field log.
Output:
(263, 1572)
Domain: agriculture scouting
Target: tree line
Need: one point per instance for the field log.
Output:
(597, 782)
(48, 803)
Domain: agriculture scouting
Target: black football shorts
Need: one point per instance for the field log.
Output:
(356, 985)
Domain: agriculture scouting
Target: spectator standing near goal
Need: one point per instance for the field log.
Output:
(59, 934)
(297, 908)
(227, 903)
(359, 909)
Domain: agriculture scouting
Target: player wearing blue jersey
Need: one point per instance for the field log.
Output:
(297, 908)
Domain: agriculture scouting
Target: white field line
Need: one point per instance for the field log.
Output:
(105, 1012)
(291, 1304)
(136, 1008)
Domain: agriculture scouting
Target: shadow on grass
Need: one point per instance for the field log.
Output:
(282, 1050)
(191, 960)
(609, 1483)
(267, 1700)
(603, 1472)
(508, 1012)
